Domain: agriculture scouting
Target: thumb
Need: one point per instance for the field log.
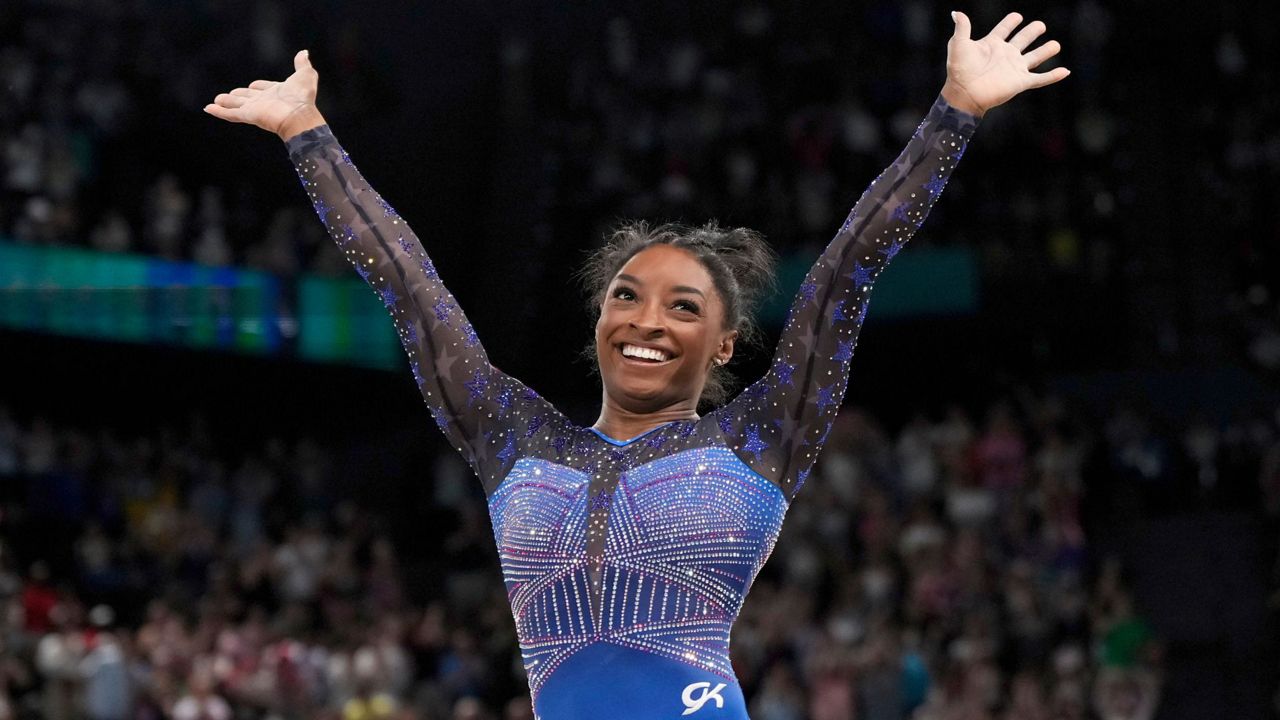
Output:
(962, 25)
(302, 61)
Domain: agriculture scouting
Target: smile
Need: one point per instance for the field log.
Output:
(644, 354)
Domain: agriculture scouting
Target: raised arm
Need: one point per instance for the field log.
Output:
(485, 413)
(779, 423)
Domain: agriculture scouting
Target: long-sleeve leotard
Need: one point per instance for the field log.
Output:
(627, 560)
(779, 423)
(471, 401)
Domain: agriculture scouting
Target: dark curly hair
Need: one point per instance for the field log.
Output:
(739, 261)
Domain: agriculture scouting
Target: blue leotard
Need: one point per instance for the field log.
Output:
(627, 561)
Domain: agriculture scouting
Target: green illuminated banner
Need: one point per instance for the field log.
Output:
(136, 298)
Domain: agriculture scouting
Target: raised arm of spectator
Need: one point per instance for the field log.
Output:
(779, 423)
(483, 412)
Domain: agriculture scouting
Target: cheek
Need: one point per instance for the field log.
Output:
(602, 330)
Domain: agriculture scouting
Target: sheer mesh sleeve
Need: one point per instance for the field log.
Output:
(485, 413)
(778, 424)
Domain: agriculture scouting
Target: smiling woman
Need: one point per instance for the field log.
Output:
(628, 547)
(712, 284)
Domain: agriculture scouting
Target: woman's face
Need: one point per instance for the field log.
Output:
(661, 327)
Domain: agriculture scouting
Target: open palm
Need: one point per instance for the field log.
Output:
(991, 70)
(269, 104)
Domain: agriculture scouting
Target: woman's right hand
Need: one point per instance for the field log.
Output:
(285, 108)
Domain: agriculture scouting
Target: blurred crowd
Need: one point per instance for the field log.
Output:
(939, 571)
(91, 90)
(751, 116)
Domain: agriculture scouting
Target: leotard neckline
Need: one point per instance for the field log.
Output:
(622, 443)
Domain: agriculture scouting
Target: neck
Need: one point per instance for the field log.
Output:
(621, 423)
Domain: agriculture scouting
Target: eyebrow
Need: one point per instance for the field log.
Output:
(677, 288)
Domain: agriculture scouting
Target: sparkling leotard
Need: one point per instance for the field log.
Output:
(626, 562)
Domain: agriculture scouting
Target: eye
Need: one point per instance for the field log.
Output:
(687, 305)
(623, 293)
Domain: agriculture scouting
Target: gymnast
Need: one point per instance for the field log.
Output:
(628, 547)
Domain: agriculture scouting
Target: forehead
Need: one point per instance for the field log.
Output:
(665, 265)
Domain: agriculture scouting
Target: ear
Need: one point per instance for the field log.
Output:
(725, 351)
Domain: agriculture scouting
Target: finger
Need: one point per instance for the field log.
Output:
(244, 92)
(1005, 26)
(261, 84)
(227, 100)
(1042, 53)
(1039, 80)
(1024, 37)
(963, 28)
(302, 61)
(223, 113)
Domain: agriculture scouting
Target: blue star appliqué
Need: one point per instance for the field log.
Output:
(656, 440)
(808, 290)
(387, 210)
(784, 370)
(388, 296)
(535, 422)
(935, 185)
(348, 235)
(322, 210)
(754, 444)
(362, 271)
(405, 244)
(508, 450)
(470, 339)
(801, 477)
(506, 396)
(837, 313)
(825, 433)
(862, 274)
(417, 373)
(346, 158)
(826, 397)
(476, 385)
(894, 247)
(757, 390)
(411, 334)
(441, 309)
(901, 212)
(725, 422)
(428, 269)
(558, 442)
(601, 501)
(844, 351)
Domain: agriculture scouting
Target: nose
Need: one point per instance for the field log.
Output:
(648, 320)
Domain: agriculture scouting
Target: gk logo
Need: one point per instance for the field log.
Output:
(692, 705)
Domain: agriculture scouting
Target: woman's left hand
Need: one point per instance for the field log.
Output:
(982, 74)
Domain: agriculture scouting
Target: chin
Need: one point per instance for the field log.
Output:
(640, 392)
(640, 396)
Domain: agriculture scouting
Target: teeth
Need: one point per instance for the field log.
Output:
(646, 353)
